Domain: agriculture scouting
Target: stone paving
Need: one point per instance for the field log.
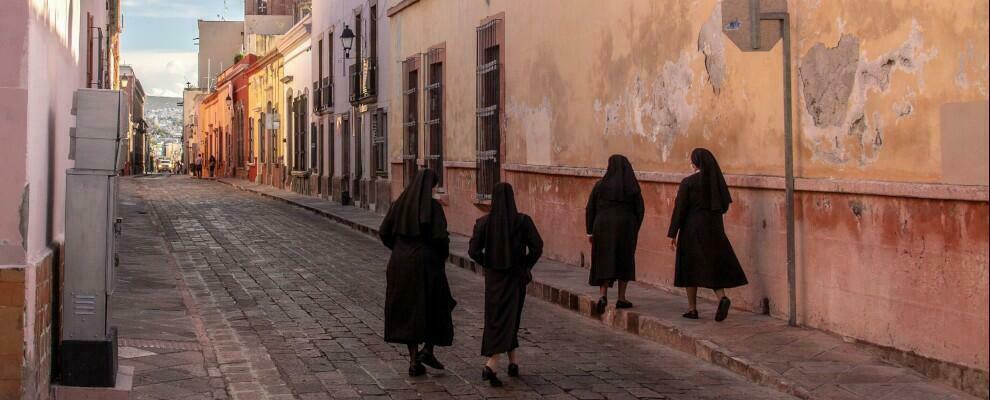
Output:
(806, 363)
(157, 332)
(284, 304)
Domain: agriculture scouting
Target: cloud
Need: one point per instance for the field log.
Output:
(195, 9)
(162, 73)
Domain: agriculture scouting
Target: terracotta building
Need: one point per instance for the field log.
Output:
(50, 49)
(222, 126)
(890, 124)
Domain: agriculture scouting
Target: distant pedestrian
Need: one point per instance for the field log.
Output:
(704, 254)
(213, 165)
(418, 302)
(612, 221)
(506, 243)
(198, 166)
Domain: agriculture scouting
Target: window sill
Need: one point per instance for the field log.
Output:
(442, 198)
(483, 204)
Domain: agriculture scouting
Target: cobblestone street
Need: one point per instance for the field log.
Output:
(287, 305)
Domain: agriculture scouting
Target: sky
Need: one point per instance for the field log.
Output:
(158, 39)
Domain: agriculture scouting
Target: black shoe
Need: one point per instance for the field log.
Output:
(428, 359)
(416, 369)
(488, 375)
(513, 370)
(600, 306)
(693, 314)
(623, 304)
(723, 309)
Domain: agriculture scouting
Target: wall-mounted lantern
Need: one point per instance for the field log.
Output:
(230, 102)
(347, 40)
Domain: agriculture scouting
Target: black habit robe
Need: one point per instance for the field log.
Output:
(704, 255)
(507, 244)
(613, 217)
(418, 302)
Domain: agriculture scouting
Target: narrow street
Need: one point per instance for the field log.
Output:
(276, 303)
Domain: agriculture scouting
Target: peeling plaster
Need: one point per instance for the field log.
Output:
(966, 59)
(710, 43)
(827, 77)
(537, 123)
(837, 124)
(657, 111)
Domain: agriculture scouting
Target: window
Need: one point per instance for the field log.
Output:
(262, 7)
(313, 149)
(358, 36)
(489, 130)
(317, 85)
(373, 32)
(318, 153)
(328, 80)
(434, 113)
(330, 147)
(358, 149)
(410, 115)
(250, 148)
(345, 150)
(262, 148)
(239, 133)
(379, 138)
(299, 128)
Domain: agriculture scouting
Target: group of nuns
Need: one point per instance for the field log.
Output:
(506, 243)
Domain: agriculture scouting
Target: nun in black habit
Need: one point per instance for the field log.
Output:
(704, 256)
(612, 221)
(418, 302)
(507, 244)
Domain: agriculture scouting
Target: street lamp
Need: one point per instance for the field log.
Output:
(230, 102)
(347, 40)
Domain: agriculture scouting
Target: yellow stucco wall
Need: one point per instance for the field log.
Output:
(265, 85)
(585, 79)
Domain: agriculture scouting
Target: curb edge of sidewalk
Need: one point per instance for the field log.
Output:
(628, 321)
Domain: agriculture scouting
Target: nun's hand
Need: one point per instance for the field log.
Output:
(673, 244)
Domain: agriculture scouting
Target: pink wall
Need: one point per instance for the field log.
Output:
(44, 65)
(903, 272)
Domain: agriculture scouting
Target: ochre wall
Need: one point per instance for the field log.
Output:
(885, 93)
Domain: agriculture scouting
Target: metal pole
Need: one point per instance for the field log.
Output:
(785, 33)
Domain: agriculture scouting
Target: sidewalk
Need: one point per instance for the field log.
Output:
(806, 363)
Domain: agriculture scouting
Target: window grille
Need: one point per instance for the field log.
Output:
(434, 113)
(410, 118)
(489, 129)
(379, 140)
(345, 150)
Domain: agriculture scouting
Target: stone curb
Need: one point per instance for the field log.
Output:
(644, 326)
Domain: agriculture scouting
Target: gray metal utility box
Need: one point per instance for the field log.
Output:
(87, 352)
(101, 123)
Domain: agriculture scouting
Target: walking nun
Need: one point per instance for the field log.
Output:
(612, 220)
(418, 302)
(507, 244)
(704, 255)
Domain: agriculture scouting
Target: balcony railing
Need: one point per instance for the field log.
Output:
(363, 80)
(327, 95)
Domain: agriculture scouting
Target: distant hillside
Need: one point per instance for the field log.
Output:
(164, 115)
(157, 103)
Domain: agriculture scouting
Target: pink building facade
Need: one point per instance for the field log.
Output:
(51, 49)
